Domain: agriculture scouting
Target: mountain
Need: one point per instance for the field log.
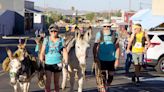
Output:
(61, 11)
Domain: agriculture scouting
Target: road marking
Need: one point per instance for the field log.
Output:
(148, 79)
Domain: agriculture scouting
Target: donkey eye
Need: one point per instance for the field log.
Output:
(78, 47)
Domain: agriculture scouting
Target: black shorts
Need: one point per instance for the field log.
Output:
(53, 68)
(107, 65)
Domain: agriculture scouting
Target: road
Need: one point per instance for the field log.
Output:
(151, 81)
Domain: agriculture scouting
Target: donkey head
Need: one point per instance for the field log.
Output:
(82, 44)
(14, 66)
(15, 61)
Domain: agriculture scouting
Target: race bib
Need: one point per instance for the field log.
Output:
(138, 45)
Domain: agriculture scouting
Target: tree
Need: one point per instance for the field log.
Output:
(90, 16)
(51, 17)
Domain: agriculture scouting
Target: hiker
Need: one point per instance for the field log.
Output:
(52, 53)
(137, 41)
(105, 54)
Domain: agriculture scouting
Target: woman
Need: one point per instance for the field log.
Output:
(53, 52)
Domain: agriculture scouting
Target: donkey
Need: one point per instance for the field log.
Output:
(77, 48)
(22, 68)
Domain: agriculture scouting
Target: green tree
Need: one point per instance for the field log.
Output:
(90, 16)
(51, 17)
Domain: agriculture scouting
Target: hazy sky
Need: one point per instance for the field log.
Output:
(94, 5)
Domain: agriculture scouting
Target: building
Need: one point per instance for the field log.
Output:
(11, 17)
(34, 18)
(157, 7)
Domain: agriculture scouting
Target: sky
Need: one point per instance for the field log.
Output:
(95, 5)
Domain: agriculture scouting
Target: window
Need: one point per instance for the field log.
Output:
(161, 37)
(150, 36)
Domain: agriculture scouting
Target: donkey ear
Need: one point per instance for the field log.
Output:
(77, 34)
(88, 35)
(9, 53)
(25, 42)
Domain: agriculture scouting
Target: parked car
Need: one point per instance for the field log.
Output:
(155, 53)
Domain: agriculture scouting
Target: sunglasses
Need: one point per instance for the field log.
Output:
(107, 26)
(53, 31)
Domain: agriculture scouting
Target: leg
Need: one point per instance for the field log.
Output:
(64, 81)
(25, 87)
(128, 63)
(110, 77)
(72, 80)
(16, 87)
(56, 81)
(137, 71)
(80, 81)
(48, 81)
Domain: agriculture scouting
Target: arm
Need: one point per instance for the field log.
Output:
(95, 50)
(42, 53)
(130, 42)
(65, 55)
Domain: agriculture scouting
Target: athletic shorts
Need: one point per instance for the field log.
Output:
(53, 68)
(107, 65)
(137, 58)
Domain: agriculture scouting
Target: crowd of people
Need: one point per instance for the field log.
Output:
(106, 52)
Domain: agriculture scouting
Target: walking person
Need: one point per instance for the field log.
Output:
(128, 58)
(52, 54)
(137, 41)
(104, 52)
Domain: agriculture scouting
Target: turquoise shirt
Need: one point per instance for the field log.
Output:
(107, 49)
(53, 51)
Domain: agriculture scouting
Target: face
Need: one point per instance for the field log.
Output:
(137, 30)
(81, 50)
(82, 44)
(15, 65)
(53, 33)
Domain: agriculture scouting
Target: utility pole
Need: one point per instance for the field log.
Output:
(129, 5)
(140, 7)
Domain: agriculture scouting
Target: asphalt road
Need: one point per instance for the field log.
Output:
(151, 81)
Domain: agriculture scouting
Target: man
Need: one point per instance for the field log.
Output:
(104, 51)
(137, 41)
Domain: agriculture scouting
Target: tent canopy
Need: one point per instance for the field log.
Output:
(147, 19)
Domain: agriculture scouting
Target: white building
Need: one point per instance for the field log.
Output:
(33, 17)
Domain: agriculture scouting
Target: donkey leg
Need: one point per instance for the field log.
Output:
(80, 81)
(15, 87)
(28, 86)
(72, 80)
(64, 71)
(25, 87)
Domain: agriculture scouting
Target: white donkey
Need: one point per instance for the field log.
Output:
(77, 49)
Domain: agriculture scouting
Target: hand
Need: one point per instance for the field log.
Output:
(116, 63)
(145, 50)
(42, 59)
(37, 41)
(128, 51)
